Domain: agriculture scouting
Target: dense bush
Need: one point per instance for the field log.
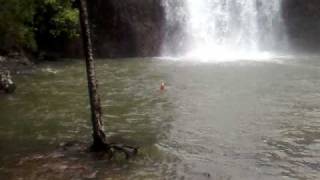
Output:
(24, 22)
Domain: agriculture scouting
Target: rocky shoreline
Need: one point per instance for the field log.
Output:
(15, 63)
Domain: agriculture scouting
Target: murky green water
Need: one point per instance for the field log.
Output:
(237, 120)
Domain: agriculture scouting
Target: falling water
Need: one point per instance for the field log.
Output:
(229, 29)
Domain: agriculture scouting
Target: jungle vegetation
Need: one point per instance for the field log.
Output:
(27, 24)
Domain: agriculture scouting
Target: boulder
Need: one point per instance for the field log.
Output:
(6, 83)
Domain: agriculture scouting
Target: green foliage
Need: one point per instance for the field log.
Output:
(22, 20)
(15, 15)
(66, 22)
(58, 18)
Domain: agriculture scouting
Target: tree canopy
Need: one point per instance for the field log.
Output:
(24, 23)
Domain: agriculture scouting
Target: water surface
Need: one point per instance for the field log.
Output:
(238, 120)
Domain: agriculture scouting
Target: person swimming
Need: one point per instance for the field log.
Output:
(162, 86)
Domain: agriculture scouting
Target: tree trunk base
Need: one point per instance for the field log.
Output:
(101, 150)
(113, 148)
(100, 145)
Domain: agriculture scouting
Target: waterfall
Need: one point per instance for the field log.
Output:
(225, 28)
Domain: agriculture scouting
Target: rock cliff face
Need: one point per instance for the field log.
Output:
(302, 18)
(127, 28)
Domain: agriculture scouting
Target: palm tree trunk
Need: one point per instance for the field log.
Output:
(99, 138)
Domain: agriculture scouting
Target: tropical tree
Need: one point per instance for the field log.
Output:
(99, 138)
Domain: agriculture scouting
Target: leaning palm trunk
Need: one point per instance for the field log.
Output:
(99, 137)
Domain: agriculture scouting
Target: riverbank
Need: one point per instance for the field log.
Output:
(16, 62)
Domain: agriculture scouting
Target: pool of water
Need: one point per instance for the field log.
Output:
(238, 120)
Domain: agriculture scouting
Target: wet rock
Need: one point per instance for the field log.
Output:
(126, 28)
(6, 83)
(14, 55)
(2, 59)
(16, 63)
(302, 20)
(92, 175)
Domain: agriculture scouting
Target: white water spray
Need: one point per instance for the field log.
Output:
(231, 29)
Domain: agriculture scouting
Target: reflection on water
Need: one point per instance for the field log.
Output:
(235, 120)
